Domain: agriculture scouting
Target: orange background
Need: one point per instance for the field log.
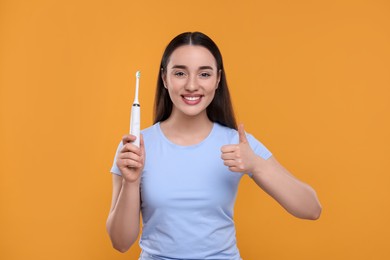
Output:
(310, 79)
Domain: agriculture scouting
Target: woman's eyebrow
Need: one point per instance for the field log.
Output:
(185, 67)
(206, 68)
(179, 67)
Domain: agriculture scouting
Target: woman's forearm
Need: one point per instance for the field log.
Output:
(296, 197)
(123, 222)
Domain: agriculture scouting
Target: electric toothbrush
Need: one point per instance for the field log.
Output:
(135, 120)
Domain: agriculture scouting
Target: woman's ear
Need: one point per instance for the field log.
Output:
(219, 78)
(163, 77)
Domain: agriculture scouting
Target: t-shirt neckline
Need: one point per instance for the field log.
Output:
(158, 127)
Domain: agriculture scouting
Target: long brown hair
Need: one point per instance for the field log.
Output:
(220, 109)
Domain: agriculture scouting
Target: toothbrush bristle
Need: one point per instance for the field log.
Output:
(138, 74)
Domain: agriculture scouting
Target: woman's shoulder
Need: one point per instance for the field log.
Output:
(150, 131)
(149, 128)
(233, 136)
(224, 129)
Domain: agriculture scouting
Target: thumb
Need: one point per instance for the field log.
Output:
(241, 134)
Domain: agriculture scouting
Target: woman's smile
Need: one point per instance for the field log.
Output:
(192, 99)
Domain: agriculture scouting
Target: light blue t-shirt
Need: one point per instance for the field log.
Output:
(188, 196)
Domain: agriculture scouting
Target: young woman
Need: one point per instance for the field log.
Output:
(184, 176)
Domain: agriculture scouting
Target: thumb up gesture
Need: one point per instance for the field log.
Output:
(239, 157)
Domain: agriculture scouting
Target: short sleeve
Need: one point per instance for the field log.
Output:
(258, 147)
(114, 168)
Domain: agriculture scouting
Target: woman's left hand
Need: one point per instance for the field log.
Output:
(295, 196)
(240, 157)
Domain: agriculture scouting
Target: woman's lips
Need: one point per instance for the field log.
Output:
(192, 99)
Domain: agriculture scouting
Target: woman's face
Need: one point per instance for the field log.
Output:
(191, 79)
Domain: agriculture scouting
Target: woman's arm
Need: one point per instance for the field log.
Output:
(296, 197)
(124, 217)
(123, 222)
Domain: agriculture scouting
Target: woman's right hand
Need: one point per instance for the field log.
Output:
(131, 159)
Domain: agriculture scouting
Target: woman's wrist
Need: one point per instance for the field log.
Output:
(131, 184)
(260, 167)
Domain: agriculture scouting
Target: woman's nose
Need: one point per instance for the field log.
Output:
(192, 84)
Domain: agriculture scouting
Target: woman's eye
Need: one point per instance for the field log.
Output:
(205, 75)
(179, 74)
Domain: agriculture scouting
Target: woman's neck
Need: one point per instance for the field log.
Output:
(186, 130)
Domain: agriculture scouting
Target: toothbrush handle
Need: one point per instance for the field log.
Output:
(135, 123)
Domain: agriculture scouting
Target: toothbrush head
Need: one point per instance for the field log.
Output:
(137, 76)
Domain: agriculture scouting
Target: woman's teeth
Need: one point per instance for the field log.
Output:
(192, 98)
